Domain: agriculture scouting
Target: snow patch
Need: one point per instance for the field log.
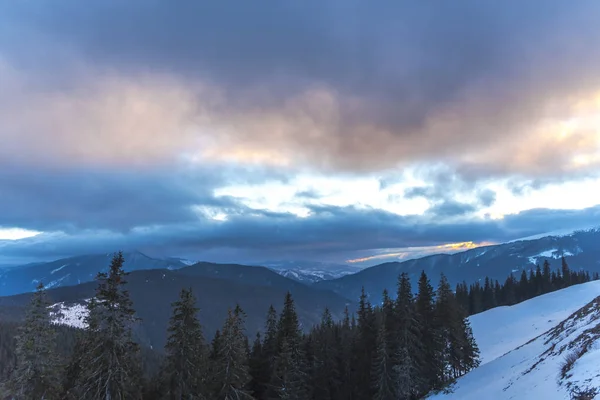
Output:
(56, 282)
(69, 314)
(58, 269)
(553, 253)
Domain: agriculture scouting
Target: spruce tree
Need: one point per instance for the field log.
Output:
(459, 352)
(410, 354)
(391, 326)
(347, 336)
(36, 372)
(523, 287)
(270, 345)
(231, 371)
(546, 278)
(448, 318)
(383, 373)
(110, 364)
(432, 368)
(326, 365)
(185, 365)
(289, 377)
(489, 298)
(259, 368)
(566, 272)
(262, 365)
(365, 346)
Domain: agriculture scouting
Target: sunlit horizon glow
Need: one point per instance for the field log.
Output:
(16, 233)
(417, 252)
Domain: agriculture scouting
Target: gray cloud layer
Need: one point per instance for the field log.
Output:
(100, 100)
(331, 233)
(362, 85)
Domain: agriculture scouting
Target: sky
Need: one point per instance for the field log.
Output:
(339, 131)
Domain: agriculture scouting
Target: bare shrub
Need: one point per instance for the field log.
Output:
(567, 364)
(584, 394)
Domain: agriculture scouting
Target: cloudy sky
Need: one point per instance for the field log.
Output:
(330, 130)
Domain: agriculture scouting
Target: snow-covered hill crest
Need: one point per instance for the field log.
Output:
(562, 362)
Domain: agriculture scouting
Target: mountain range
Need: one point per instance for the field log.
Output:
(74, 271)
(581, 250)
(311, 271)
(217, 288)
(155, 283)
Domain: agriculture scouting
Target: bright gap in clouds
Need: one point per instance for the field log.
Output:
(572, 195)
(296, 195)
(16, 233)
(307, 190)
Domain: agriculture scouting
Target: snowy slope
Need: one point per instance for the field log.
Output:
(532, 368)
(502, 329)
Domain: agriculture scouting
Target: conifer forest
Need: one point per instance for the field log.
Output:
(413, 343)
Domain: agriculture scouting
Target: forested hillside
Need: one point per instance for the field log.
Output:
(401, 348)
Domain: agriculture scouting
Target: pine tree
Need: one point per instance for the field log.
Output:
(391, 326)
(36, 373)
(432, 368)
(325, 360)
(410, 352)
(471, 350)
(365, 345)
(72, 370)
(270, 345)
(539, 280)
(531, 286)
(346, 340)
(185, 365)
(566, 272)
(383, 373)
(289, 377)
(488, 295)
(262, 366)
(259, 368)
(459, 352)
(110, 364)
(215, 346)
(475, 298)
(523, 287)
(449, 327)
(231, 371)
(546, 277)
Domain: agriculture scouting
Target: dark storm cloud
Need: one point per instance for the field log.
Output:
(115, 200)
(410, 80)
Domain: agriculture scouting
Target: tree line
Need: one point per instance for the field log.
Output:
(402, 348)
(476, 297)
